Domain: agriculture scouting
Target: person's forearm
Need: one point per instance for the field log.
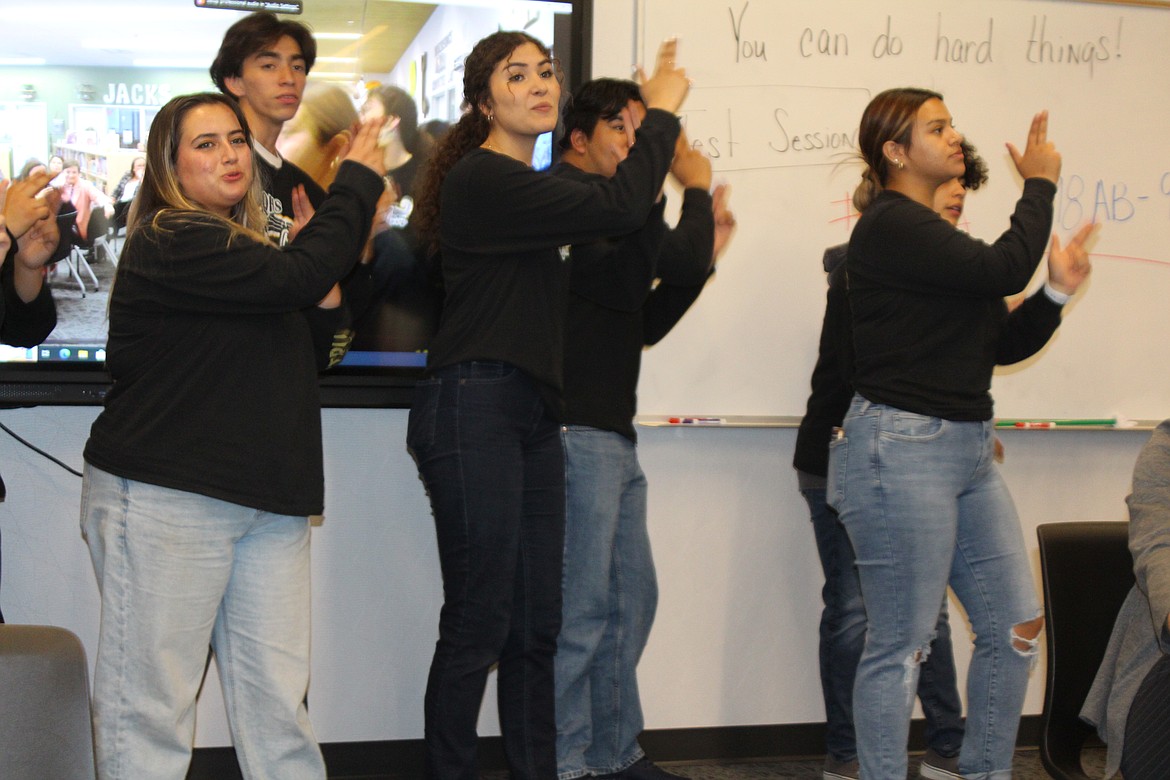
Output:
(27, 282)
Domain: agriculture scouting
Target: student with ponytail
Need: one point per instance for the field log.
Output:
(484, 428)
(913, 475)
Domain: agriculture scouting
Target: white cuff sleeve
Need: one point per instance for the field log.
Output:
(1059, 298)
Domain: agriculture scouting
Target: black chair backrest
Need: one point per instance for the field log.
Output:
(1087, 572)
(98, 225)
(66, 220)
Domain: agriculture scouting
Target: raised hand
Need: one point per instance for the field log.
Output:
(668, 87)
(22, 207)
(691, 167)
(631, 117)
(1069, 266)
(36, 246)
(302, 209)
(1040, 158)
(364, 147)
(724, 219)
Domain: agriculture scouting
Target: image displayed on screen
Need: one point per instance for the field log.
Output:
(400, 60)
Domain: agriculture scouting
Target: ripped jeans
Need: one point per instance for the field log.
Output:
(924, 504)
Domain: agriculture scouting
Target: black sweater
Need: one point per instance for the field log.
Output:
(23, 324)
(831, 388)
(212, 355)
(613, 314)
(929, 320)
(502, 230)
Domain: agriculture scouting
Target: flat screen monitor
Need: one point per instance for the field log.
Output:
(416, 46)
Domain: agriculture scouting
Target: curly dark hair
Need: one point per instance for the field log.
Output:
(472, 128)
(975, 171)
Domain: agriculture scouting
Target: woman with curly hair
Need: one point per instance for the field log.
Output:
(484, 425)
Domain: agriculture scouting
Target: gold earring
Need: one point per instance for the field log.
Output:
(899, 164)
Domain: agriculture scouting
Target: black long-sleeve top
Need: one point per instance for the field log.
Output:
(212, 354)
(23, 324)
(504, 236)
(929, 320)
(614, 314)
(831, 388)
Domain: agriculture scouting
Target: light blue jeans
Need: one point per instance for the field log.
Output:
(179, 571)
(610, 596)
(842, 632)
(923, 503)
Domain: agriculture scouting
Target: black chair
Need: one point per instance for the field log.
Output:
(121, 214)
(65, 220)
(97, 241)
(66, 251)
(97, 232)
(46, 730)
(1087, 572)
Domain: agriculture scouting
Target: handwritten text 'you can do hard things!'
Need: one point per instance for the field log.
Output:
(755, 126)
(1045, 44)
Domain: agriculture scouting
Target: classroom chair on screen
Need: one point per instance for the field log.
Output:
(65, 252)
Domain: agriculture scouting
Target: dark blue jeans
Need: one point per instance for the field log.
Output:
(842, 638)
(492, 463)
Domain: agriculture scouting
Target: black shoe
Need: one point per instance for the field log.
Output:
(642, 769)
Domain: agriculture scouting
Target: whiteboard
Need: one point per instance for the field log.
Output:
(779, 90)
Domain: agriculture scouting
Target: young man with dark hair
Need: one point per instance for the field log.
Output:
(263, 63)
(615, 310)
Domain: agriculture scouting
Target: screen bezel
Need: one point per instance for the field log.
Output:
(86, 383)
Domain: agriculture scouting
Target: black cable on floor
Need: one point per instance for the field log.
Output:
(39, 451)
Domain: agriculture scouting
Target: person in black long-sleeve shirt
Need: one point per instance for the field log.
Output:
(842, 624)
(615, 311)
(203, 468)
(913, 475)
(28, 237)
(263, 63)
(27, 228)
(483, 428)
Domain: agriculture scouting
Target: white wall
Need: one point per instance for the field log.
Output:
(735, 640)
